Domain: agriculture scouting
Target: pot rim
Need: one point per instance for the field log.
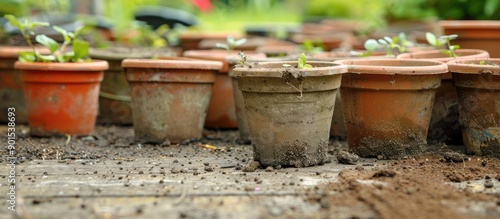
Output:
(470, 24)
(394, 66)
(218, 54)
(465, 53)
(95, 65)
(473, 66)
(172, 64)
(260, 69)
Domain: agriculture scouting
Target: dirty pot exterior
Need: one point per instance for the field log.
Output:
(169, 97)
(388, 104)
(61, 98)
(445, 125)
(478, 88)
(289, 111)
(241, 116)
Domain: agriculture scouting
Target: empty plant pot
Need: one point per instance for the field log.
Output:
(387, 105)
(445, 125)
(289, 110)
(478, 88)
(61, 98)
(169, 97)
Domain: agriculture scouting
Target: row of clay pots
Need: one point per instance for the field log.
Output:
(387, 107)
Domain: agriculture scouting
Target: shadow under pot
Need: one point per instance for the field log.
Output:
(289, 110)
(169, 97)
(478, 88)
(387, 105)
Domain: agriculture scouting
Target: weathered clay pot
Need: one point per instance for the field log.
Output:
(61, 98)
(221, 110)
(338, 130)
(11, 87)
(289, 110)
(478, 87)
(388, 104)
(191, 40)
(444, 125)
(169, 97)
(238, 96)
(475, 34)
(114, 96)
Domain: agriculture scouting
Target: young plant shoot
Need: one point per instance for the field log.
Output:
(231, 43)
(79, 48)
(439, 42)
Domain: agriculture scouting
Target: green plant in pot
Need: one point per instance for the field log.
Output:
(60, 88)
(289, 107)
(445, 126)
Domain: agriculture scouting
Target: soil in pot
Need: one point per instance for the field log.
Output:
(61, 98)
(289, 110)
(169, 97)
(387, 105)
(445, 126)
(478, 88)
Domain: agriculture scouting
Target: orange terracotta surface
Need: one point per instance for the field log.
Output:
(61, 98)
(387, 103)
(475, 34)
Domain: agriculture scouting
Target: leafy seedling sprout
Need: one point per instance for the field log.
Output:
(438, 42)
(79, 48)
(231, 43)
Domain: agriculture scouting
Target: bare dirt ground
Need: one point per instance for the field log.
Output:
(108, 175)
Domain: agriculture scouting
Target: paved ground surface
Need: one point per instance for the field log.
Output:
(107, 175)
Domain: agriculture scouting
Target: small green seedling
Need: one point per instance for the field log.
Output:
(302, 62)
(231, 43)
(399, 42)
(79, 48)
(439, 42)
(243, 58)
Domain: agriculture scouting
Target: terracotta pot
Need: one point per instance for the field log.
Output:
(338, 130)
(191, 40)
(329, 41)
(221, 110)
(279, 51)
(11, 89)
(114, 96)
(169, 97)
(444, 125)
(387, 105)
(241, 116)
(478, 87)
(61, 98)
(289, 110)
(475, 34)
